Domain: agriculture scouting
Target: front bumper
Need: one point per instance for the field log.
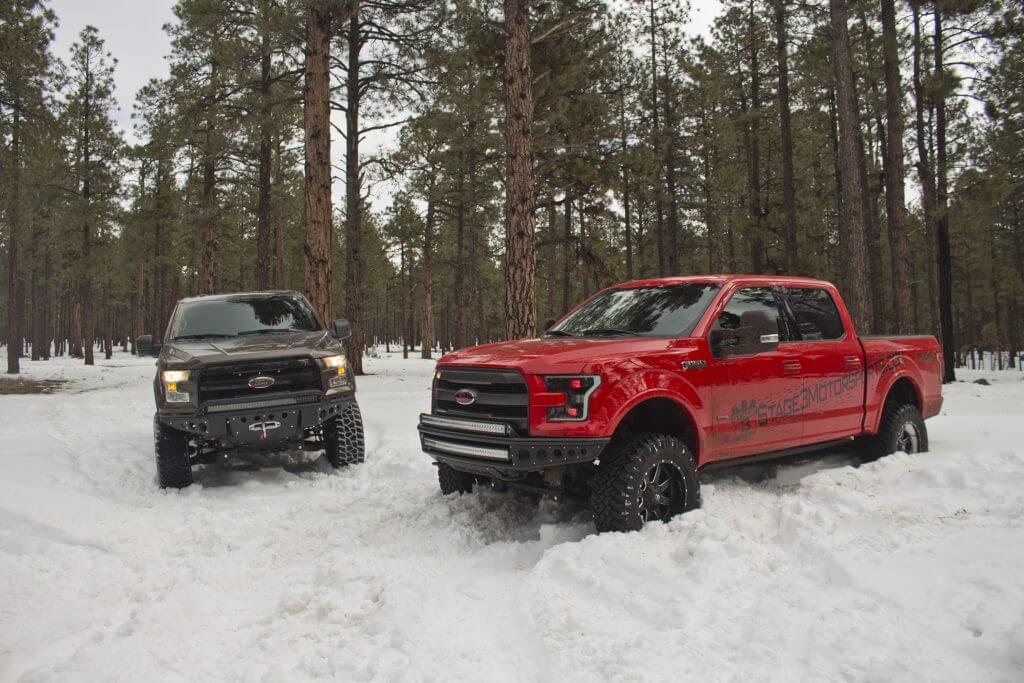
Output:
(492, 449)
(259, 423)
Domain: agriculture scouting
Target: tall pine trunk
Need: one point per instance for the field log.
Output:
(756, 237)
(945, 263)
(13, 215)
(926, 176)
(852, 220)
(895, 199)
(319, 275)
(264, 237)
(520, 259)
(789, 232)
(353, 201)
(427, 276)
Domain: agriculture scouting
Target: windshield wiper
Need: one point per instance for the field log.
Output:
(558, 333)
(269, 330)
(205, 335)
(609, 330)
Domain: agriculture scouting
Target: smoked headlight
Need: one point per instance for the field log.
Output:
(577, 390)
(171, 378)
(338, 362)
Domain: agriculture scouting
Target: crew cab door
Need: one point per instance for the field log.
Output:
(832, 364)
(757, 380)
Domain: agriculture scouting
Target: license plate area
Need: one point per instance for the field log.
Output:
(264, 427)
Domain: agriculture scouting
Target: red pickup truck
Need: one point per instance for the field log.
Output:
(629, 396)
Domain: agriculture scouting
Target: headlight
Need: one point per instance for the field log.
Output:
(336, 362)
(172, 376)
(577, 390)
(170, 379)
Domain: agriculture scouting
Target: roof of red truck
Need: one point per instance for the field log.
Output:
(723, 279)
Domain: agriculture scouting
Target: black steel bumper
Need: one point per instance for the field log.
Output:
(268, 421)
(492, 449)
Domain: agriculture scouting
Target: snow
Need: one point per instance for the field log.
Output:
(280, 569)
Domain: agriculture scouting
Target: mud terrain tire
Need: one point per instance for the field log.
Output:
(643, 478)
(344, 442)
(902, 429)
(453, 481)
(173, 467)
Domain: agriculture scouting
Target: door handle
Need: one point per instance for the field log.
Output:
(791, 367)
(852, 362)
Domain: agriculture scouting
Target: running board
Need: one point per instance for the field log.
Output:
(786, 452)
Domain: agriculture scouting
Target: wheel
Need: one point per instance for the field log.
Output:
(901, 430)
(344, 443)
(644, 478)
(173, 466)
(453, 481)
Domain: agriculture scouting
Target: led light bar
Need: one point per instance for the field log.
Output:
(224, 407)
(463, 449)
(494, 428)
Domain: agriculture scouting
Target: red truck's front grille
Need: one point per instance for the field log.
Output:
(497, 395)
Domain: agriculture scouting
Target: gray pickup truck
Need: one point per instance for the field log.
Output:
(253, 371)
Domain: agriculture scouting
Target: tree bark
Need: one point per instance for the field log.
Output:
(852, 221)
(318, 247)
(520, 258)
(13, 220)
(427, 276)
(895, 199)
(926, 177)
(353, 200)
(945, 264)
(757, 242)
(791, 257)
(264, 236)
(659, 212)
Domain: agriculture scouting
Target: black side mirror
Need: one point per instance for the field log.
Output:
(342, 329)
(547, 324)
(144, 345)
(723, 341)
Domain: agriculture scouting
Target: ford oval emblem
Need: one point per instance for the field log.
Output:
(261, 382)
(465, 397)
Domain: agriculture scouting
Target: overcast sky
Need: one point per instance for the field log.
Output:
(133, 31)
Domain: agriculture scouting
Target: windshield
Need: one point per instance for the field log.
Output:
(666, 311)
(243, 315)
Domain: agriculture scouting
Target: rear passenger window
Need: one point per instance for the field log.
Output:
(817, 317)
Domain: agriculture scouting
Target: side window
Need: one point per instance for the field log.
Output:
(748, 324)
(817, 317)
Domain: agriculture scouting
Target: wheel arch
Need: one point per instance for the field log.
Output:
(904, 389)
(664, 414)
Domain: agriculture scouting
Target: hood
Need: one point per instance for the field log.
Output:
(556, 355)
(250, 347)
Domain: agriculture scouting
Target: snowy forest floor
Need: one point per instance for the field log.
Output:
(909, 568)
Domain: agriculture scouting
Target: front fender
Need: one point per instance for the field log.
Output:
(642, 386)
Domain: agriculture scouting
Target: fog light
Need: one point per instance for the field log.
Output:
(174, 396)
(336, 381)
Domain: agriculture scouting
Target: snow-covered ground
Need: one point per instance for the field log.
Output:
(910, 568)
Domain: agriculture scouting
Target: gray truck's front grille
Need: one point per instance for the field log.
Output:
(231, 380)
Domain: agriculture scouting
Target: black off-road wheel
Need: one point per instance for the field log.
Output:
(344, 443)
(643, 478)
(453, 481)
(173, 464)
(902, 430)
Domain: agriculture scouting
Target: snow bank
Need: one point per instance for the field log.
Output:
(279, 569)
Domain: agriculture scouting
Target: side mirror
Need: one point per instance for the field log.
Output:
(547, 324)
(341, 328)
(144, 345)
(723, 342)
